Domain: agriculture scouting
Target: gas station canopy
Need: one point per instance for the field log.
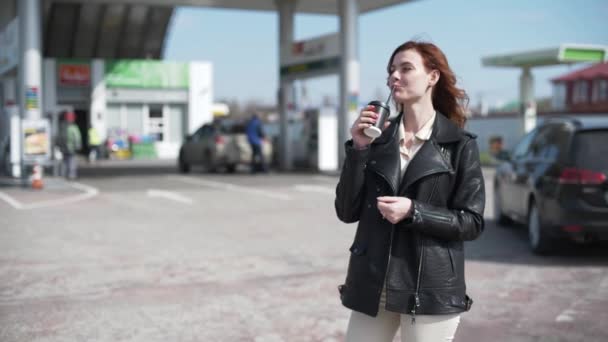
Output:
(95, 29)
(563, 54)
(302, 6)
(138, 28)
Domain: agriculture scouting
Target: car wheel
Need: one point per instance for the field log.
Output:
(230, 168)
(539, 242)
(209, 164)
(182, 165)
(499, 215)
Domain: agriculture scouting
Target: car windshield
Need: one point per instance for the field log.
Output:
(231, 126)
(590, 150)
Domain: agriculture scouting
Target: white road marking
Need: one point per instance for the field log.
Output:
(89, 192)
(566, 316)
(174, 196)
(8, 199)
(231, 187)
(315, 188)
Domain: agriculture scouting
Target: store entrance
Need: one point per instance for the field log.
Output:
(82, 121)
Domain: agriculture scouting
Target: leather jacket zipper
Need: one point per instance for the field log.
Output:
(416, 295)
(438, 217)
(390, 248)
(419, 275)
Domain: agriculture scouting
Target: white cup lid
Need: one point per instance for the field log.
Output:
(372, 132)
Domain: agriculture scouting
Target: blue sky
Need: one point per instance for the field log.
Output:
(243, 45)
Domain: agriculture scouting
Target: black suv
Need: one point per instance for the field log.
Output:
(555, 181)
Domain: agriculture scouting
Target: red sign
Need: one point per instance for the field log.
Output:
(74, 74)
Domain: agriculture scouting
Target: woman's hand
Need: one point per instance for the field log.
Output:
(395, 209)
(366, 118)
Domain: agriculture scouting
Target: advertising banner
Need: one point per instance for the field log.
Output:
(36, 140)
(146, 74)
(312, 57)
(74, 74)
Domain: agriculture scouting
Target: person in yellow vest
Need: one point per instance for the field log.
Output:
(94, 144)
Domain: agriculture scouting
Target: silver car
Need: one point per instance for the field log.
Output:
(220, 145)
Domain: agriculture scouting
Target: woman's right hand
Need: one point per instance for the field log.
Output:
(367, 118)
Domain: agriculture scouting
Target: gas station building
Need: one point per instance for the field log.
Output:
(100, 58)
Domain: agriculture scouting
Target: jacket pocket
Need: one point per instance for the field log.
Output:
(358, 265)
(439, 268)
(452, 261)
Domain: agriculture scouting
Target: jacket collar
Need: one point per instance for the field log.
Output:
(445, 131)
(428, 160)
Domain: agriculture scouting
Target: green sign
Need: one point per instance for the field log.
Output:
(146, 74)
(584, 55)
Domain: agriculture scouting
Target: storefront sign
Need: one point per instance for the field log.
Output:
(74, 74)
(315, 49)
(146, 74)
(316, 56)
(9, 46)
(36, 140)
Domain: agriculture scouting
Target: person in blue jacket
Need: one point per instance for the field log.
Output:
(255, 136)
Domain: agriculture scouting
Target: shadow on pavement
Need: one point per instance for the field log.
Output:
(510, 245)
(126, 168)
(122, 168)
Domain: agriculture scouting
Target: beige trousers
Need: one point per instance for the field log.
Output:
(383, 327)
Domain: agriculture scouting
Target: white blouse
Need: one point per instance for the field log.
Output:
(420, 137)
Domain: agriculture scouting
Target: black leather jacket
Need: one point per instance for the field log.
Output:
(425, 271)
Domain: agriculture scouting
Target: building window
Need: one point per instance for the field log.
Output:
(599, 92)
(580, 92)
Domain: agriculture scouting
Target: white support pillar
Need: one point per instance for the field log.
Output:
(528, 104)
(286, 98)
(98, 98)
(30, 97)
(349, 72)
(10, 107)
(49, 82)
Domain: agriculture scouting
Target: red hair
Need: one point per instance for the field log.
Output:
(447, 99)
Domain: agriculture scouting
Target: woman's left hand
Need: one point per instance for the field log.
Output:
(394, 209)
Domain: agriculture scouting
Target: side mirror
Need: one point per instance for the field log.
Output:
(188, 138)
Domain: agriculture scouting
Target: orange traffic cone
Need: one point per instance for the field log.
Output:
(37, 177)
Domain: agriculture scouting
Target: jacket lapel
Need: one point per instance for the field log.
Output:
(429, 159)
(384, 156)
(385, 160)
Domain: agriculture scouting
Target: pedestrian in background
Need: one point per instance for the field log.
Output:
(71, 143)
(417, 192)
(94, 144)
(255, 137)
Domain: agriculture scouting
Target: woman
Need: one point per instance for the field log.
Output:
(418, 193)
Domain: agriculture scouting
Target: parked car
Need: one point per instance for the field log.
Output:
(219, 145)
(555, 181)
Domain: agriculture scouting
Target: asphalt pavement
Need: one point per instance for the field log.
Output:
(138, 252)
